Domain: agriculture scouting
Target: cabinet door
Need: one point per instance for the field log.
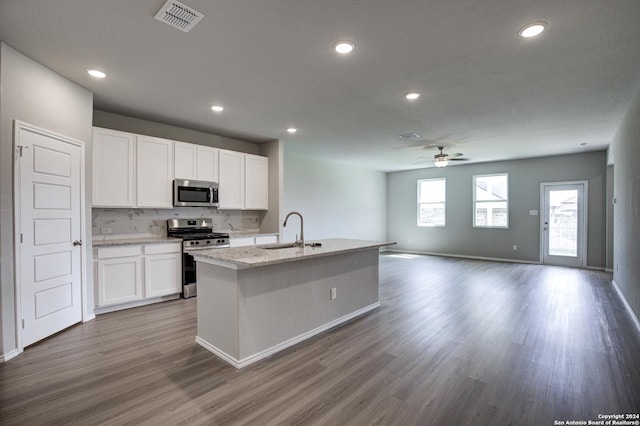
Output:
(241, 241)
(207, 164)
(154, 172)
(185, 160)
(162, 274)
(119, 280)
(231, 192)
(266, 239)
(256, 192)
(112, 168)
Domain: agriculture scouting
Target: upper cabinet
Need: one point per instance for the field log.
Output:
(256, 182)
(131, 170)
(231, 191)
(154, 172)
(244, 181)
(113, 168)
(196, 162)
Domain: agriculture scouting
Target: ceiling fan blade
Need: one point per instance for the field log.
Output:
(457, 159)
(457, 154)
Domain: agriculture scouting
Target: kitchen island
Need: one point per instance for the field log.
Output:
(255, 301)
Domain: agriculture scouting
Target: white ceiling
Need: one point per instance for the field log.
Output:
(486, 92)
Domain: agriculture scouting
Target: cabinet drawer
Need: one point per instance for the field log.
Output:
(162, 248)
(119, 251)
(266, 239)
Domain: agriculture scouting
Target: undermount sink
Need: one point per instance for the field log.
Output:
(277, 246)
(287, 245)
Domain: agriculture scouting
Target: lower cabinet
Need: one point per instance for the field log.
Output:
(253, 240)
(137, 273)
(162, 270)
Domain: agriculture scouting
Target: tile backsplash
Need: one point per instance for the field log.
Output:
(154, 221)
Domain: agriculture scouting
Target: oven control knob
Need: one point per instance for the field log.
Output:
(197, 242)
(208, 242)
(191, 243)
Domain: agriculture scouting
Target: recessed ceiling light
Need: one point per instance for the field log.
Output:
(292, 130)
(96, 73)
(217, 108)
(344, 46)
(532, 30)
(411, 96)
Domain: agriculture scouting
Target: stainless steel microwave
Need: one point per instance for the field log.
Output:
(195, 193)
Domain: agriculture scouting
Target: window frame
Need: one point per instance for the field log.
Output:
(476, 202)
(443, 203)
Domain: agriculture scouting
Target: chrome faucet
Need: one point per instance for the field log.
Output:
(300, 242)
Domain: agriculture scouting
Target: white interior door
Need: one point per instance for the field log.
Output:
(48, 217)
(564, 224)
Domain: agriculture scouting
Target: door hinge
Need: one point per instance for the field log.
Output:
(21, 240)
(20, 148)
(22, 323)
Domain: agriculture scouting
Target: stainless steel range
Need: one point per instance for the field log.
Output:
(196, 234)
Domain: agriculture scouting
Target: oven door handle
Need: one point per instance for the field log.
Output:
(210, 196)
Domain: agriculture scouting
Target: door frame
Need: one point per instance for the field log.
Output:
(584, 227)
(17, 222)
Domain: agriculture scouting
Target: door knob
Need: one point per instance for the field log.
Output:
(77, 243)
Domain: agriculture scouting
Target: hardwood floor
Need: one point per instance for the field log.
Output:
(454, 342)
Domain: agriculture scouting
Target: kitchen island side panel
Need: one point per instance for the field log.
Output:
(284, 301)
(217, 305)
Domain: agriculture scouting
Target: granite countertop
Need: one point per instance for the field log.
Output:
(255, 256)
(104, 242)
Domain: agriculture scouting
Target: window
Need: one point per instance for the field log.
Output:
(431, 201)
(491, 201)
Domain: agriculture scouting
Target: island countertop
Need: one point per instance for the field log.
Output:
(255, 256)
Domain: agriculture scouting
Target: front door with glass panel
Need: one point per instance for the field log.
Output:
(563, 224)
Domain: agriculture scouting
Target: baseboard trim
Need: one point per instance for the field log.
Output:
(240, 363)
(106, 309)
(461, 256)
(6, 357)
(632, 314)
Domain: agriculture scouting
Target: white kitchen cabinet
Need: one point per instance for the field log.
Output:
(134, 275)
(231, 192)
(266, 239)
(185, 160)
(256, 192)
(195, 162)
(207, 164)
(244, 181)
(252, 240)
(162, 269)
(113, 168)
(241, 241)
(119, 275)
(154, 170)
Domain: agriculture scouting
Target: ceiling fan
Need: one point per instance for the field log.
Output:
(442, 159)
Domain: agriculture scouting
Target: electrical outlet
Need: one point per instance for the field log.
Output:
(515, 247)
(105, 230)
(333, 293)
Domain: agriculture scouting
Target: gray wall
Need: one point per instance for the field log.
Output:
(336, 200)
(36, 95)
(626, 253)
(460, 238)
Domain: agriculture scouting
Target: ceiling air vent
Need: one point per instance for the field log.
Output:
(409, 137)
(178, 15)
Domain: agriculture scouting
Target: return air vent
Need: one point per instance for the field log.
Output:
(179, 16)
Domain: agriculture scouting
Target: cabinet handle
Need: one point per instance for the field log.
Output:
(77, 243)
